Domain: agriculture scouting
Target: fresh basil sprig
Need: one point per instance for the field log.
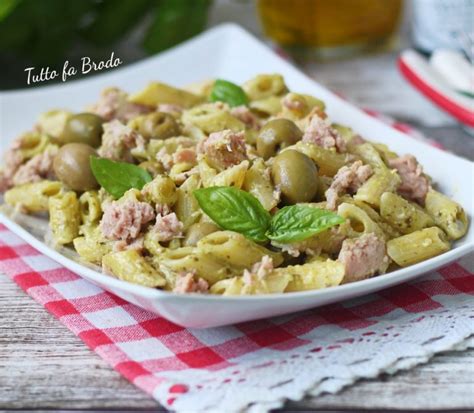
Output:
(298, 222)
(118, 177)
(236, 210)
(228, 92)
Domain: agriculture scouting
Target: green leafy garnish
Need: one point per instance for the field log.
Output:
(228, 92)
(236, 210)
(118, 177)
(298, 222)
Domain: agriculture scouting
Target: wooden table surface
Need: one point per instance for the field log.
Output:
(44, 366)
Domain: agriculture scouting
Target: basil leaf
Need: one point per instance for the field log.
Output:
(118, 177)
(228, 92)
(235, 210)
(298, 222)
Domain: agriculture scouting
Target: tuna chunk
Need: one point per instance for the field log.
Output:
(244, 114)
(167, 227)
(37, 168)
(182, 155)
(113, 104)
(13, 160)
(165, 159)
(415, 184)
(224, 149)
(186, 155)
(259, 271)
(117, 141)
(187, 283)
(320, 132)
(124, 220)
(363, 257)
(347, 180)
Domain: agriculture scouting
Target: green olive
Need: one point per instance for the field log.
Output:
(275, 135)
(198, 231)
(72, 166)
(83, 128)
(156, 125)
(296, 175)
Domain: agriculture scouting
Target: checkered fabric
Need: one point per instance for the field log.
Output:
(187, 369)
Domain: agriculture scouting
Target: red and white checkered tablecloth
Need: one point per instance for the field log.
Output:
(257, 364)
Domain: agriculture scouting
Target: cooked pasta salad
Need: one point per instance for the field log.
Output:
(225, 189)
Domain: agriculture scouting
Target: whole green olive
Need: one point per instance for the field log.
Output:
(296, 175)
(72, 166)
(277, 134)
(83, 128)
(198, 231)
(156, 125)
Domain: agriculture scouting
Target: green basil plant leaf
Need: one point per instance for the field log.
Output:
(298, 222)
(118, 177)
(228, 92)
(235, 210)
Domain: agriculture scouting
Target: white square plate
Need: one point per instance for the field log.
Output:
(229, 52)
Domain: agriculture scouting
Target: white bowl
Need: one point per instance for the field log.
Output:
(229, 52)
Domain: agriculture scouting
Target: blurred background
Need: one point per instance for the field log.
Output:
(350, 46)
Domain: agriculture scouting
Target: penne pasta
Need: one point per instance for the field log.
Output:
(90, 207)
(273, 283)
(258, 182)
(264, 86)
(162, 191)
(52, 123)
(187, 208)
(329, 162)
(369, 155)
(91, 246)
(130, 266)
(314, 275)
(159, 93)
(381, 181)
(359, 220)
(270, 106)
(33, 197)
(417, 246)
(235, 250)
(210, 118)
(447, 214)
(64, 217)
(233, 176)
(404, 215)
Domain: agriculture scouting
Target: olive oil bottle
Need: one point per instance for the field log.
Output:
(330, 28)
